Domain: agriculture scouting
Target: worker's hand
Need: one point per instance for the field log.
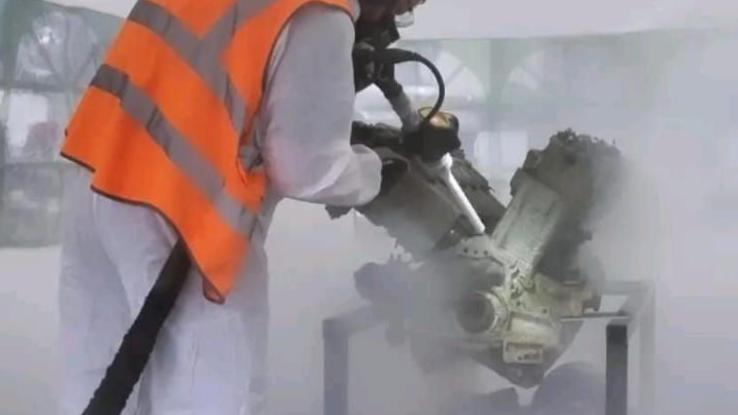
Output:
(393, 169)
(375, 136)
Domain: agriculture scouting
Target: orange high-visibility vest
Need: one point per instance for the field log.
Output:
(164, 117)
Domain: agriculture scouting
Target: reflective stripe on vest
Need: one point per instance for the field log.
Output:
(165, 116)
(177, 148)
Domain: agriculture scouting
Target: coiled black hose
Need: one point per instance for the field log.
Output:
(395, 56)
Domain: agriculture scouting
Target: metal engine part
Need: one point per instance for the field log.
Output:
(502, 298)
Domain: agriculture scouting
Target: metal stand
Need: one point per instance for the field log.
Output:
(637, 314)
(337, 332)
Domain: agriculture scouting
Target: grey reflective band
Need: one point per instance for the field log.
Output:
(166, 25)
(203, 55)
(227, 25)
(142, 109)
(237, 216)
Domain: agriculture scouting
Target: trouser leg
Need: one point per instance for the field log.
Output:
(94, 312)
(202, 360)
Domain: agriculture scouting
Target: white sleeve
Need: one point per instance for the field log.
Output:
(307, 112)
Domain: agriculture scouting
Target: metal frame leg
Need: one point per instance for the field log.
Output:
(337, 333)
(636, 315)
(617, 369)
(336, 367)
(647, 335)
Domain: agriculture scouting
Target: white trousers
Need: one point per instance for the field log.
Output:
(208, 357)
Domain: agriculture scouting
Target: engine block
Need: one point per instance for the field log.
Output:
(502, 298)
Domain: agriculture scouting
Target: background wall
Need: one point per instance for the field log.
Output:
(483, 19)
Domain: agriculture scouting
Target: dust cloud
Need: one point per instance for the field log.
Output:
(667, 100)
(677, 223)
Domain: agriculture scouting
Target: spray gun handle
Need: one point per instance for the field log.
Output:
(404, 109)
(395, 93)
(428, 133)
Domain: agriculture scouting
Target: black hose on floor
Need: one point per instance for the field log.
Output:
(130, 361)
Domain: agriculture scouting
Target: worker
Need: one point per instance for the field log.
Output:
(203, 116)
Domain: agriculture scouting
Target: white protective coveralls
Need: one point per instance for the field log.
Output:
(210, 358)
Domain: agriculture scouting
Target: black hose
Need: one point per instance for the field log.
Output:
(396, 56)
(121, 377)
